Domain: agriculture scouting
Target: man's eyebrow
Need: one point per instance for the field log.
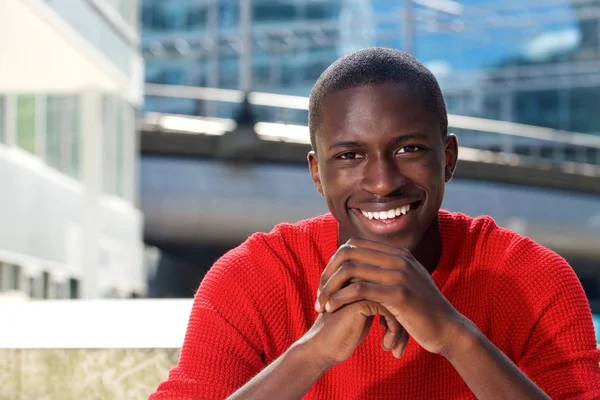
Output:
(408, 136)
(342, 144)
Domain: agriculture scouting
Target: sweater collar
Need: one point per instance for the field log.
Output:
(329, 237)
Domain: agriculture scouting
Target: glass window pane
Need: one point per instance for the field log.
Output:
(120, 148)
(16, 278)
(2, 119)
(109, 132)
(75, 142)
(26, 123)
(54, 129)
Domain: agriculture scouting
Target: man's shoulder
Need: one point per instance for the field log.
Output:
(285, 241)
(500, 245)
(297, 235)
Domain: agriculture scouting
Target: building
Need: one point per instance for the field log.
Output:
(530, 62)
(70, 83)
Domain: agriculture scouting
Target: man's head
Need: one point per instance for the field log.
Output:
(378, 127)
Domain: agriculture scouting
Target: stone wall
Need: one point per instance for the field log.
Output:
(83, 374)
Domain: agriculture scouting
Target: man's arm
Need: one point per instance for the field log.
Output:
(393, 278)
(223, 350)
(487, 371)
(331, 340)
(288, 377)
(560, 353)
(548, 316)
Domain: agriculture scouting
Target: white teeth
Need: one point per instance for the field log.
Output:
(393, 213)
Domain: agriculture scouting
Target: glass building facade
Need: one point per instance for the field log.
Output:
(532, 61)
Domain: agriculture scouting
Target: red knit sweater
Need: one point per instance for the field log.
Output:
(258, 299)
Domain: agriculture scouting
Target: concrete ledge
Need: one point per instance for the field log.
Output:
(104, 349)
(82, 374)
(94, 324)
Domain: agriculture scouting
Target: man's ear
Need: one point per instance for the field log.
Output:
(451, 155)
(313, 166)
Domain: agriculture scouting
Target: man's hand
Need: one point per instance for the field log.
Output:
(335, 335)
(364, 270)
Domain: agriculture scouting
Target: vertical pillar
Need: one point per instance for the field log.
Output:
(211, 108)
(407, 27)
(91, 151)
(246, 48)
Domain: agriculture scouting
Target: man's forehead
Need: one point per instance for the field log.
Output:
(375, 105)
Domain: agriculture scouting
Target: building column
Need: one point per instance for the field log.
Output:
(10, 120)
(91, 174)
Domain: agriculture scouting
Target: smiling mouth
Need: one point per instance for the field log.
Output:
(390, 214)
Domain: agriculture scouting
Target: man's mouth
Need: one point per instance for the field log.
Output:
(390, 214)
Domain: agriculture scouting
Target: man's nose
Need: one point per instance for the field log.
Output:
(382, 176)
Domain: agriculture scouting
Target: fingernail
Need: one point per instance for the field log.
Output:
(327, 307)
(317, 306)
(318, 293)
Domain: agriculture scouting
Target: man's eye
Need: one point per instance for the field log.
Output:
(349, 156)
(409, 149)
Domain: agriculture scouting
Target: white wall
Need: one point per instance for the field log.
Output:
(40, 52)
(41, 212)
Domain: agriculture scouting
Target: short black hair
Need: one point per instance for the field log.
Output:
(376, 66)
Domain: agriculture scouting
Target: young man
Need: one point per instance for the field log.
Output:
(467, 309)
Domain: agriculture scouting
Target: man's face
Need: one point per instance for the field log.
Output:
(381, 163)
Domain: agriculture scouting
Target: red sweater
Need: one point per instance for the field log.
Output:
(258, 299)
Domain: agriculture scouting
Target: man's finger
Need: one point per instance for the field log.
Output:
(393, 328)
(399, 346)
(362, 255)
(374, 292)
(370, 244)
(351, 273)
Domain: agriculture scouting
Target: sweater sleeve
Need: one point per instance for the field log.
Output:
(225, 338)
(559, 351)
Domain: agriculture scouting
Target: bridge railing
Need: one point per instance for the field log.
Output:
(283, 118)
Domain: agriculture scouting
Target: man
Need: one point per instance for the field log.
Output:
(467, 309)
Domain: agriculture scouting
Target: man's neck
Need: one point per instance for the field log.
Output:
(429, 250)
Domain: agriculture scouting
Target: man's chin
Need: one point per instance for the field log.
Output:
(398, 231)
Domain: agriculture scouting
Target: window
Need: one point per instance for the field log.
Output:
(73, 288)
(274, 12)
(318, 10)
(228, 72)
(120, 149)
(3, 277)
(26, 123)
(166, 73)
(16, 278)
(32, 287)
(73, 113)
(228, 13)
(196, 18)
(108, 143)
(46, 285)
(54, 130)
(2, 119)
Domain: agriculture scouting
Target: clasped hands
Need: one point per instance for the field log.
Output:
(375, 278)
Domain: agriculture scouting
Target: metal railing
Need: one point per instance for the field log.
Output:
(279, 120)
